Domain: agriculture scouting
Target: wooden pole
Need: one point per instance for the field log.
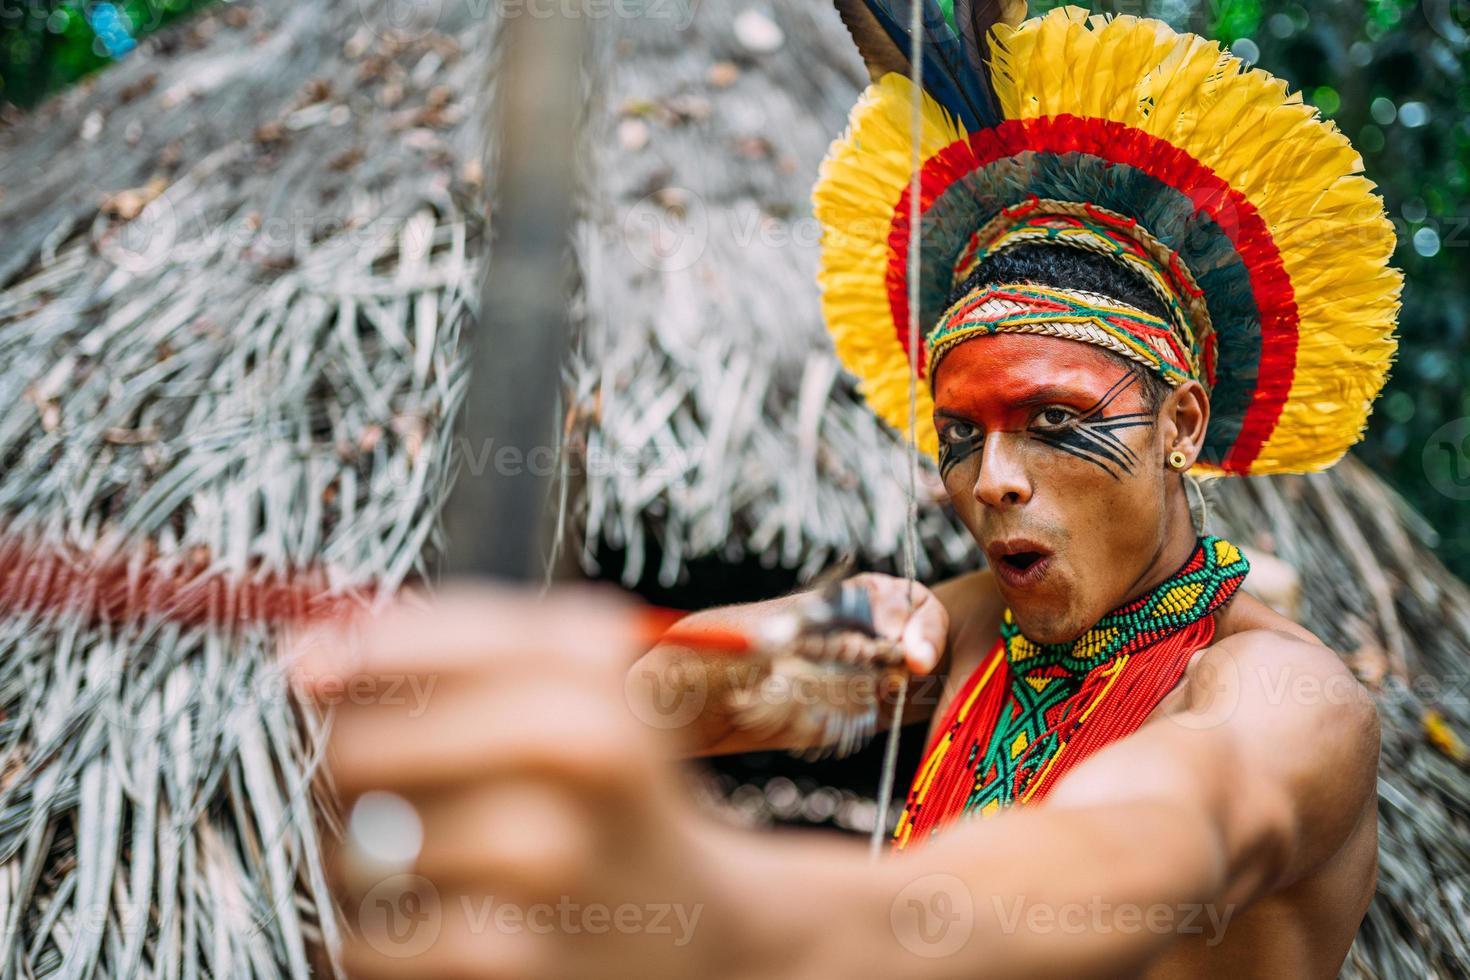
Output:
(508, 430)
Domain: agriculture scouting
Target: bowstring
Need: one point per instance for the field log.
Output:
(911, 519)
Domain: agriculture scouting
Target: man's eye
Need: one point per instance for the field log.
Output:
(1055, 417)
(957, 432)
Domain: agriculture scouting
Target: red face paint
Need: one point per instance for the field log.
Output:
(999, 381)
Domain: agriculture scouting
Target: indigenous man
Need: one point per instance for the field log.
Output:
(1138, 259)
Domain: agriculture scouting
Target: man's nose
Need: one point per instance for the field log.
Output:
(1003, 481)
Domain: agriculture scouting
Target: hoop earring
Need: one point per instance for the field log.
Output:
(1177, 460)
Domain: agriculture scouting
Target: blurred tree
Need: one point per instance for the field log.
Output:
(46, 44)
(1392, 74)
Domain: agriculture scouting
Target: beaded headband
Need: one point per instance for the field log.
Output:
(1071, 314)
(1183, 347)
(1095, 229)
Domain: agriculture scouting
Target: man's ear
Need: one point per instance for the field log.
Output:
(1183, 418)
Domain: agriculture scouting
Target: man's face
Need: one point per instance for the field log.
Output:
(1054, 462)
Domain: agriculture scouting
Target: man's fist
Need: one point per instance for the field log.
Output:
(554, 839)
(909, 615)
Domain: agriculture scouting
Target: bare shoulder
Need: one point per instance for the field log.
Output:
(1291, 706)
(1246, 614)
(1277, 674)
(1296, 676)
(1261, 658)
(1273, 683)
(1287, 710)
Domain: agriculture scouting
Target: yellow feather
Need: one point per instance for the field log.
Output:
(867, 173)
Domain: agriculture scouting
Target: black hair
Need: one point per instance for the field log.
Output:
(1062, 267)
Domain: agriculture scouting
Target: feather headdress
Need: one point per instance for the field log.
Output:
(1246, 210)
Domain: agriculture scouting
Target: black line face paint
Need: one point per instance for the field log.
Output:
(954, 451)
(1092, 435)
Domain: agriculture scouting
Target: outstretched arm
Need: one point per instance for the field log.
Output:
(1256, 781)
(558, 843)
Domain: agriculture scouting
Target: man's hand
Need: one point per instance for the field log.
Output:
(695, 695)
(555, 841)
(909, 615)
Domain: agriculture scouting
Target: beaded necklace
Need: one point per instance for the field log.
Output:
(1032, 711)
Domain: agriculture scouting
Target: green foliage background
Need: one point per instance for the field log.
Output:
(1391, 73)
(46, 44)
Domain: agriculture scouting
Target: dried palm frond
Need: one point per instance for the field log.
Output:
(245, 373)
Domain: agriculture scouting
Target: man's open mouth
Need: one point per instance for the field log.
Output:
(1022, 560)
(1019, 564)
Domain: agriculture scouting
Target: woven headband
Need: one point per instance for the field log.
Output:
(1071, 314)
(1179, 348)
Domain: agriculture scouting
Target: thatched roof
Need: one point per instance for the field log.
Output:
(723, 425)
(234, 271)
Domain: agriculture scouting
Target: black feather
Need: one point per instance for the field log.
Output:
(953, 76)
(975, 18)
(879, 51)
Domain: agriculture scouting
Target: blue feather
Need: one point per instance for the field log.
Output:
(951, 74)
